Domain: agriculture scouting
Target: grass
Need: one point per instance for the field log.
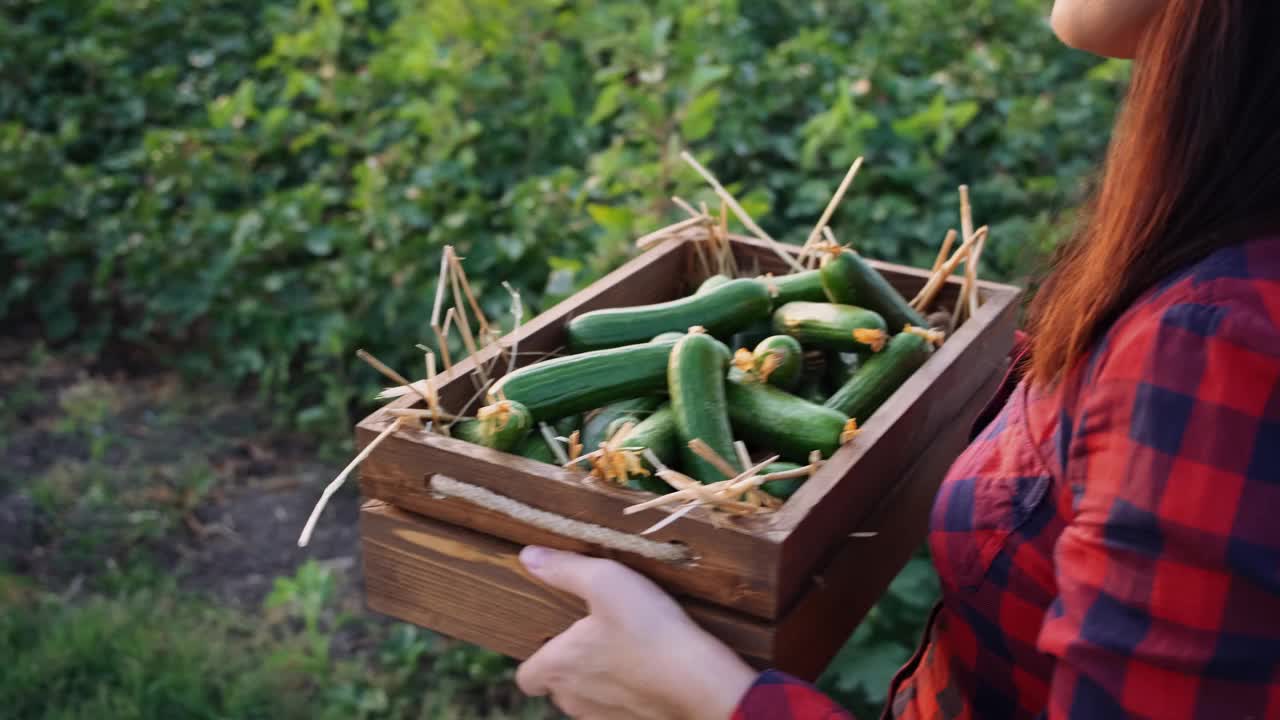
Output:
(157, 653)
(110, 657)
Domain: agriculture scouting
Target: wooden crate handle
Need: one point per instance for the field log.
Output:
(587, 532)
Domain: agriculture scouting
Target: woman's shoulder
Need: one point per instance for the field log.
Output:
(1205, 343)
(1229, 300)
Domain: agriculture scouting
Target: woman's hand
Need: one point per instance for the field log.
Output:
(637, 655)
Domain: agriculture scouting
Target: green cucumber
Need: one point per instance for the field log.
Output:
(695, 379)
(656, 433)
(500, 426)
(595, 429)
(805, 285)
(673, 337)
(831, 326)
(849, 280)
(566, 425)
(535, 447)
(880, 375)
(578, 383)
(782, 489)
(778, 360)
(712, 283)
(721, 311)
(767, 417)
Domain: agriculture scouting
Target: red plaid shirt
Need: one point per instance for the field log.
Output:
(1111, 547)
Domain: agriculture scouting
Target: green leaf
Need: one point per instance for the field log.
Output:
(560, 97)
(607, 103)
(919, 125)
(700, 116)
(613, 218)
(962, 113)
(706, 75)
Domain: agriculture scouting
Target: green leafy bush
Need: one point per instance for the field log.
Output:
(252, 190)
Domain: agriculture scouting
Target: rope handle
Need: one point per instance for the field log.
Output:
(559, 524)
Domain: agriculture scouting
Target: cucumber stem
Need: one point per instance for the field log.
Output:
(873, 338)
(850, 431)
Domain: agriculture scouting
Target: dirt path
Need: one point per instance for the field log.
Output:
(101, 469)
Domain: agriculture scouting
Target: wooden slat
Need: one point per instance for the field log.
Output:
(734, 567)
(471, 586)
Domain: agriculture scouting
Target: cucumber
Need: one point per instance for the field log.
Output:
(721, 311)
(695, 379)
(616, 425)
(499, 426)
(578, 383)
(675, 336)
(712, 283)
(782, 489)
(595, 429)
(778, 360)
(535, 447)
(805, 285)
(767, 417)
(831, 326)
(566, 425)
(656, 433)
(880, 375)
(849, 280)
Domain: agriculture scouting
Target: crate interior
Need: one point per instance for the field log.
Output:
(676, 274)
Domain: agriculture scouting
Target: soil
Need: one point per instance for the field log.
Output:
(146, 435)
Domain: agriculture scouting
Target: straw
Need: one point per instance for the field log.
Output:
(832, 204)
(738, 212)
(333, 487)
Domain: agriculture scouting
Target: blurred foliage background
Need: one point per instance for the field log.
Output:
(247, 191)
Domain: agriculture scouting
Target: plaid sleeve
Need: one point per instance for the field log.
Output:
(777, 696)
(1169, 570)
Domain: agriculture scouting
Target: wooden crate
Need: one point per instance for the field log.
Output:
(784, 589)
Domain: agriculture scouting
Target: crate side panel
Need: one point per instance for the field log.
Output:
(472, 587)
(733, 567)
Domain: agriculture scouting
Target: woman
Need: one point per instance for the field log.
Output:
(1109, 545)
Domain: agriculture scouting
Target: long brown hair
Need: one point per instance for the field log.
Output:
(1194, 160)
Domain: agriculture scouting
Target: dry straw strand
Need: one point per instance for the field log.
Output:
(738, 212)
(337, 482)
(832, 204)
